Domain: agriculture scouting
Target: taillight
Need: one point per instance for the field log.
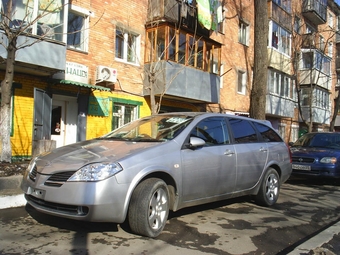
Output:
(290, 153)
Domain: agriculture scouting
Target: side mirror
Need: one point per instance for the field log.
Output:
(195, 142)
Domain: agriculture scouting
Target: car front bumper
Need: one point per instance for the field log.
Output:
(101, 201)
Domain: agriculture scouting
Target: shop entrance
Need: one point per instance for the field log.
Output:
(64, 120)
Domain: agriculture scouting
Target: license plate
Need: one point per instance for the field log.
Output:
(301, 167)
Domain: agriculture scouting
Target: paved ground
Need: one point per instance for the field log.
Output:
(327, 242)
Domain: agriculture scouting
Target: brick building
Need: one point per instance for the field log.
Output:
(99, 65)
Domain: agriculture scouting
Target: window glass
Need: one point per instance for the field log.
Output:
(37, 18)
(268, 134)
(212, 130)
(126, 46)
(243, 131)
(243, 33)
(241, 82)
(76, 31)
(123, 114)
(181, 48)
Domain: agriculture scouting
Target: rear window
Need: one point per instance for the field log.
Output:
(243, 131)
(268, 134)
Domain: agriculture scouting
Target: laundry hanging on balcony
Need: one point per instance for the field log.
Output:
(209, 13)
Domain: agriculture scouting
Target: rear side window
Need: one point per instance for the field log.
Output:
(243, 131)
(268, 134)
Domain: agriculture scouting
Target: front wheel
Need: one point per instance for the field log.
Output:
(149, 207)
(270, 189)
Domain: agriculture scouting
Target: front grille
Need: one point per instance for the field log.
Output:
(303, 160)
(59, 208)
(33, 173)
(58, 179)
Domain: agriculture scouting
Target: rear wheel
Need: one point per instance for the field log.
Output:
(270, 189)
(149, 208)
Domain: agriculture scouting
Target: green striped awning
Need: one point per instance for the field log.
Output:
(84, 85)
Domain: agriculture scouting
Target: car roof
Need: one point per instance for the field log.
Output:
(204, 114)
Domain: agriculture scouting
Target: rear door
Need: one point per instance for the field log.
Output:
(251, 152)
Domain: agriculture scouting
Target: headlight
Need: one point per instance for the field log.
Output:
(96, 172)
(328, 160)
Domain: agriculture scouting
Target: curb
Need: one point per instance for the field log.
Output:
(10, 193)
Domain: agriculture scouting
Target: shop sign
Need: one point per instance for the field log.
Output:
(74, 72)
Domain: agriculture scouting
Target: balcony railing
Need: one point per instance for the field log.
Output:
(189, 83)
(315, 11)
(279, 15)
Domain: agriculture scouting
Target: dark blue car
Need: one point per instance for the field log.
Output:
(317, 154)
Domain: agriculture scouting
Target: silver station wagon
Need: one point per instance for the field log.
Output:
(159, 163)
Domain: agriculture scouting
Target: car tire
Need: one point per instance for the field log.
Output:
(149, 208)
(270, 189)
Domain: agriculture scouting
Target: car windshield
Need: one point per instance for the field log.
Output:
(156, 128)
(329, 140)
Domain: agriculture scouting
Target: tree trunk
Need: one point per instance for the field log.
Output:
(259, 86)
(5, 110)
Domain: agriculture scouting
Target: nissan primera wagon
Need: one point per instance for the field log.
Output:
(159, 163)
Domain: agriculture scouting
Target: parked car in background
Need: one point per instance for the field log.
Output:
(159, 163)
(317, 154)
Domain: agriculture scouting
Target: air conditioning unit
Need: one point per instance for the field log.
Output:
(105, 73)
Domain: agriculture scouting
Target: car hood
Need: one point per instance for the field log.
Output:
(74, 156)
(314, 151)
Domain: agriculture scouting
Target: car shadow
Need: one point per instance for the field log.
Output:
(315, 181)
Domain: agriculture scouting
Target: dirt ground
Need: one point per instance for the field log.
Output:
(14, 168)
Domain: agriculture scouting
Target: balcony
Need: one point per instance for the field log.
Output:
(308, 41)
(279, 106)
(279, 15)
(315, 11)
(33, 60)
(176, 12)
(190, 84)
(319, 115)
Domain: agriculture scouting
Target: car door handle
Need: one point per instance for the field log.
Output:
(229, 153)
(263, 149)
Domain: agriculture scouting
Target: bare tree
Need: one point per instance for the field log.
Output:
(259, 86)
(9, 40)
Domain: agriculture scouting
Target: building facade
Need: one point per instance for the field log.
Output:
(91, 66)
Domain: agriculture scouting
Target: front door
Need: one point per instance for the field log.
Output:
(64, 120)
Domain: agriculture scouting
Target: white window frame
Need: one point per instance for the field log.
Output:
(330, 20)
(125, 48)
(282, 130)
(243, 33)
(241, 82)
(330, 49)
(279, 84)
(121, 113)
(294, 135)
(276, 38)
(85, 29)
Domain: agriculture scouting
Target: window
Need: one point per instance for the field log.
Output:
(320, 97)
(294, 133)
(297, 24)
(279, 84)
(243, 33)
(165, 43)
(280, 39)
(77, 29)
(330, 49)
(36, 18)
(282, 130)
(243, 131)
(241, 82)
(330, 20)
(268, 135)
(322, 43)
(127, 46)
(123, 114)
(212, 130)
